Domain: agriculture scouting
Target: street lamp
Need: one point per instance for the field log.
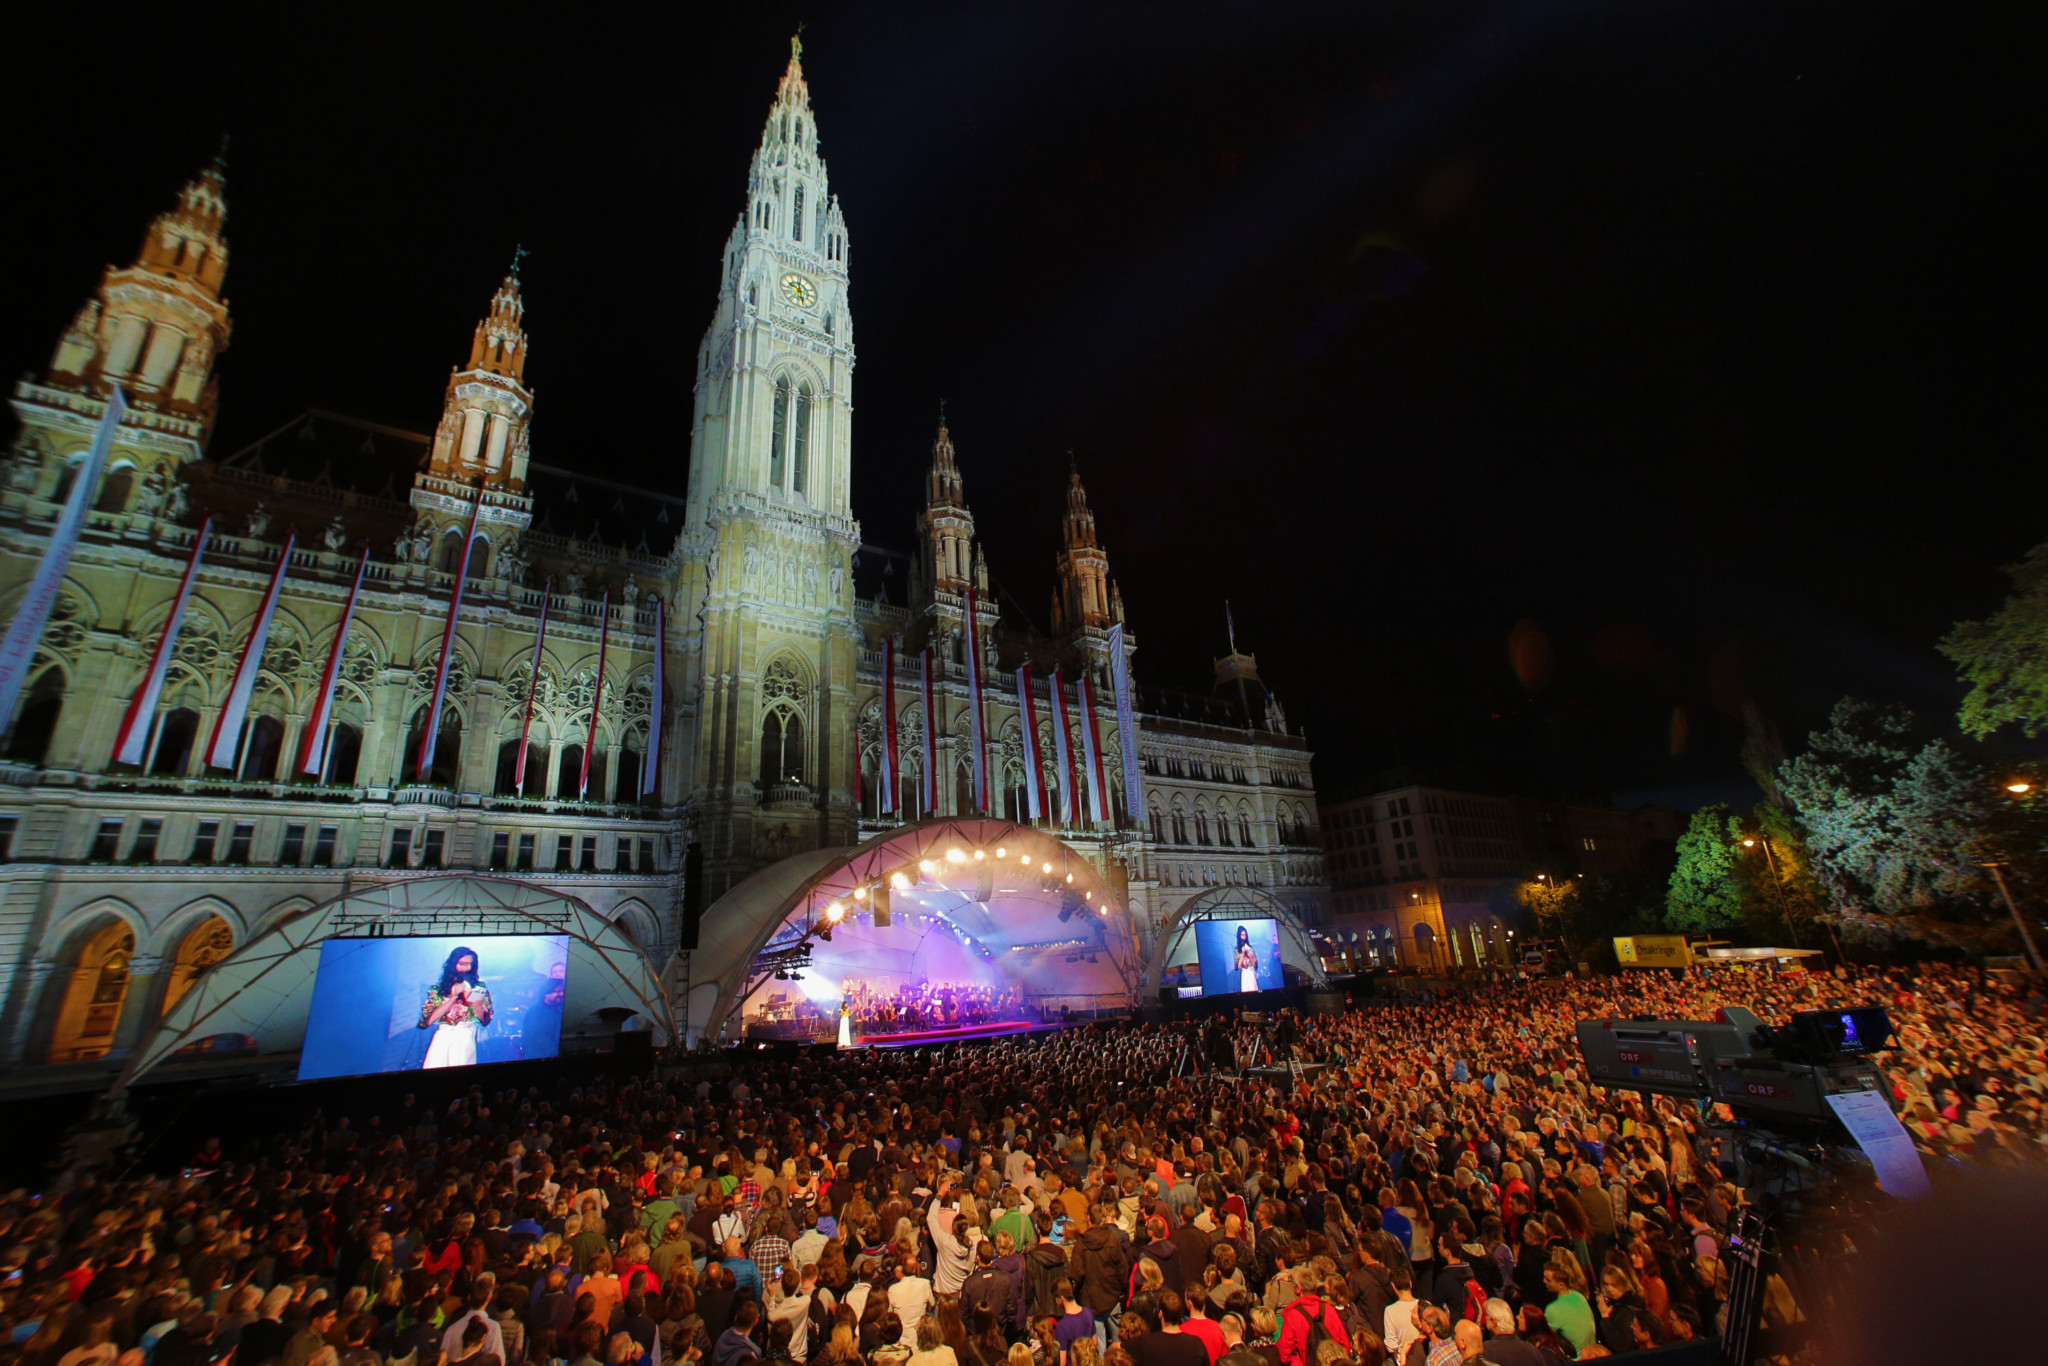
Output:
(2018, 787)
(1770, 861)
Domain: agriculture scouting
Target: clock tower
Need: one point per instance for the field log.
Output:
(763, 596)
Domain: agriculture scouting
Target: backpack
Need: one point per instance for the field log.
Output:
(1317, 1333)
(1475, 1300)
(819, 1315)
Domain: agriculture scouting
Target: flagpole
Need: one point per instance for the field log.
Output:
(430, 737)
(227, 728)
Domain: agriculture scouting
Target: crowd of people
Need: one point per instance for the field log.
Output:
(1445, 1189)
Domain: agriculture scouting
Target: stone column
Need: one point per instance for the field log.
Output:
(148, 975)
(30, 985)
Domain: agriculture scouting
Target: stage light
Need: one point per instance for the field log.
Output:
(927, 866)
(900, 881)
(1087, 896)
(835, 912)
(956, 856)
(1103, 909)
(1045, 867)
(1001, 852)
(860, 894)
(980, 854)
(1070, 877)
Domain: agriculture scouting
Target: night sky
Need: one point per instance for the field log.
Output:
(1692, 348)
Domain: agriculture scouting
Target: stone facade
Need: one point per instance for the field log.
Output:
(121, 883)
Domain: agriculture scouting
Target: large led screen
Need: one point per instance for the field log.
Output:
(1239, 955)
(402, 1005)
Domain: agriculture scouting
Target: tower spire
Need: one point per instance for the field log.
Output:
(947, 527)
(484, 415)
(1086, 597)
(156, 326)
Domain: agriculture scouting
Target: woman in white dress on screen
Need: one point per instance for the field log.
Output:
(1246, 961)
(455, 1010)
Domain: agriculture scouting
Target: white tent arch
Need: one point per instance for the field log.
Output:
(781, 898)
(1238, 903)
(264, 989)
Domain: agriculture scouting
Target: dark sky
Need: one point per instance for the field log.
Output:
(1698, 342)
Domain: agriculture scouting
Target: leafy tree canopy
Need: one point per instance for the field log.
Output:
(2004, 658)
(1706, 891)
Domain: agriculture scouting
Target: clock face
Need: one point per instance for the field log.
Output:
(799, 291)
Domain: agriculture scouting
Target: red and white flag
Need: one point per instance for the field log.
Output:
(650, 765)
(1034, 772)
(887, 797)
(1091, 749)
(931, 739)
(227, 731)
(431, 736)
(25, 632)
(540, 645)
(131, 746)
(1062, 749)
(313, 745)
(977, 721)
(604, 636)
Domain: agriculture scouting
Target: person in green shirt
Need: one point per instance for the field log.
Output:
(1569, 1315)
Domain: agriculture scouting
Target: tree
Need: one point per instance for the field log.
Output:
(1706, 891)
(2004, 657)
(1894, 822)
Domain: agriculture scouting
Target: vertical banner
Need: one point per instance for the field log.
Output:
(1062, 749)
(1034, 769)
(650, 764)
(604, 637)
(930, 792)
(1127, 725)
(313, 744)
(432, 734)
(18, 650)
(1091, 748)
(540, 645)
(887, 802)
(227, 730)
(132, 744)
(977, 729)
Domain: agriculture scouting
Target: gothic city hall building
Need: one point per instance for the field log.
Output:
(351, 658)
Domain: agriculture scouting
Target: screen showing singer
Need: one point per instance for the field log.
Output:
(405, 1004)
(1239, 955)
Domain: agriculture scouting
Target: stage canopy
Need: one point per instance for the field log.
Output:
(264, 989)
(978, 902)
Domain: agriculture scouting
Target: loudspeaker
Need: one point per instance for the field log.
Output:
(693, 894)
(879, 899)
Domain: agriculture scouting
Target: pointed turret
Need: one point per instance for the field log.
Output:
(945, 526)
(155, 327)
(485, 411)
(1086, 596)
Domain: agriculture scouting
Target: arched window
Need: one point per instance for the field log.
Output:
(508, 768)
(1202, 828)
(36, 724)
(344, 752)
(115, 489)
(1223, 829)
(259, 754)
(778, 433)
(66, 477)
(800, 444)
(1158, 825)
(175, 739)
(570, 772)
(92, 1000)
(450, 558)
(447, 749)
(208, 942)
(1244, 828)
(479, 559)
(628, 789)
(783, 698)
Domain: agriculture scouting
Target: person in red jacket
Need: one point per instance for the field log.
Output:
(1306, 1311)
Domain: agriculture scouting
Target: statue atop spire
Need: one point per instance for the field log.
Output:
(796, 45)
(519, 254)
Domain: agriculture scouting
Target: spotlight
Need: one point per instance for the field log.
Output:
(835, 912)
(860, 894)
(1001, 852)
(927, 867)
(900, 881)
(980, 854)
(1070, 877)
(956, 856)
(1087, 896)
(1103, 909)
(1045, 867)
